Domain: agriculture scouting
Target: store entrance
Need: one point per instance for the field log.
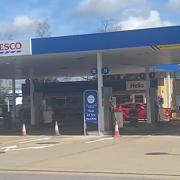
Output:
(124, 98)
(67, 110)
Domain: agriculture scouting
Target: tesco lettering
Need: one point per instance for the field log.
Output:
(10, 46)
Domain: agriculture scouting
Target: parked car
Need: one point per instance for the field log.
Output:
(141, 110)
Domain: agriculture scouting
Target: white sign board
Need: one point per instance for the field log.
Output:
(15, 48)
(135, 85)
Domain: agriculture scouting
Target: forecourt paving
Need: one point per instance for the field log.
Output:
(130, 155)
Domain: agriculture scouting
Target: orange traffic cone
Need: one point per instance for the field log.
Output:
(24, 130)
(116, 132)
(56, 129)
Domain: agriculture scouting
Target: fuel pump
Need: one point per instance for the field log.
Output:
(108, 120)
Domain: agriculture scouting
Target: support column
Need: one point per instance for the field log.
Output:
(32, 98)
(148, 98)
(14, 99)
(100, 98)
(168, 90)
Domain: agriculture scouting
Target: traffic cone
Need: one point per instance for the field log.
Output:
(24, 130)
(56, 129)
(116, 132)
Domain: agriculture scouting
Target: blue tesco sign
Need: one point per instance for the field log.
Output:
(90, 106)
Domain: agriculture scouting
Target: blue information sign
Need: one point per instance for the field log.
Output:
(105, 70)
(152, 75)
(161, 100)
(94, 71)
(90, 106)
(142, 76)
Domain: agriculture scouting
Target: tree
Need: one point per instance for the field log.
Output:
(43, 29)
(107, 25)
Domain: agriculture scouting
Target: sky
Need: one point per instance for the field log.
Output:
(20, 18)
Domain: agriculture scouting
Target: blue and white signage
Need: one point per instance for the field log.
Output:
(142, 76)
(152, 75)
(90, 106)
(161, 100)
(105, 70)
(94, 71)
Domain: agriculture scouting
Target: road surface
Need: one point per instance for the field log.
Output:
(153, 157)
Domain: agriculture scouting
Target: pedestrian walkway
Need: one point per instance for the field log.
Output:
(160, 128)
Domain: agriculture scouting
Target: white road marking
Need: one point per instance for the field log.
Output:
(33, 147)
(8, 148)
(33, 140)
(97, 140)
(66, 142)
(135, 136)
(20, 138)
(151, 136)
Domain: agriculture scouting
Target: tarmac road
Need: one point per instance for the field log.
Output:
(70, 157)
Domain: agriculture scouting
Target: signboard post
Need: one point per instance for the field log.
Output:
(90, 102)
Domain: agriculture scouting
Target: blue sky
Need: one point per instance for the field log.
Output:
(19, 18)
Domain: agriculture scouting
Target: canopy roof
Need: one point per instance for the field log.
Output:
(123, 51)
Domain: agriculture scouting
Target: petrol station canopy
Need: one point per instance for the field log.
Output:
(122, 52)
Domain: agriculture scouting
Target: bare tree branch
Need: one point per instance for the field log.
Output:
(43, 29)
(107, 25)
